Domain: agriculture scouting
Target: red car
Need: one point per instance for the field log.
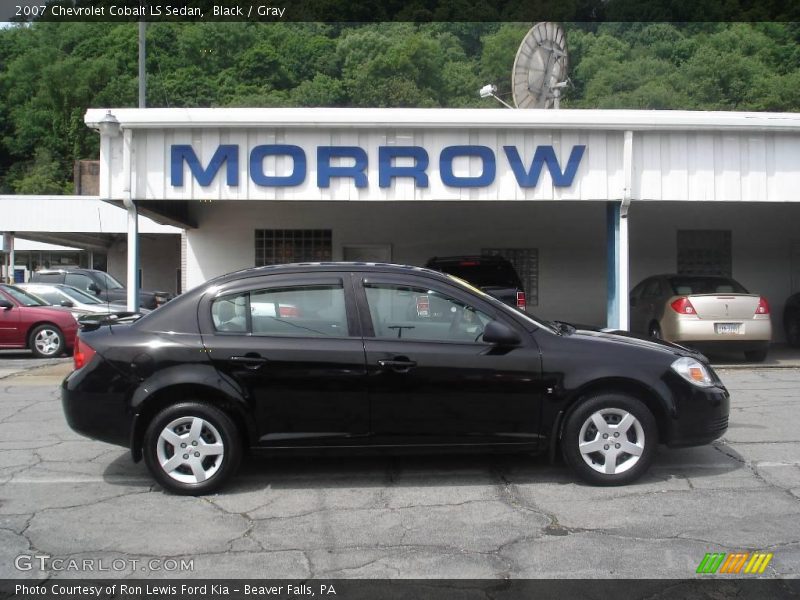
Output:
(28, 322)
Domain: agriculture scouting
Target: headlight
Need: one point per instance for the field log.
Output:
(693, 371)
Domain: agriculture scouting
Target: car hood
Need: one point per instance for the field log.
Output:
(618, 336)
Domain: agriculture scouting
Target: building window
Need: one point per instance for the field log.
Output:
(279, 246)
(526, 263)
(704, 252)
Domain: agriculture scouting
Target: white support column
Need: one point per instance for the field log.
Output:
(618, 313)
(133, 223)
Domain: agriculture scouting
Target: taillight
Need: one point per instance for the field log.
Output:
(521, 304)
(683, 307)
(288, 311)
(763, 306)
(82, 354)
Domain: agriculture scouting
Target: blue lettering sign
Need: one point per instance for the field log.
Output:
(482, 152)
(544, 155)
(258, 154)
(388, 171)
(325, 171)
(228, 154)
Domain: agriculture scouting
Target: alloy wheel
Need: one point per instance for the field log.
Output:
(190, 450)
(47, 341)
(611, 441)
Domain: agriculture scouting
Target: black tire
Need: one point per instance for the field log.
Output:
(642, 433)
(46, 341)
(757, 355)
(654, 330)
(791, 322)
(216, 427)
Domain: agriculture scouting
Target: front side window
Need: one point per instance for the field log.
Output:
(109, 283)
(296, 311)
(414, 313)
(82, 282)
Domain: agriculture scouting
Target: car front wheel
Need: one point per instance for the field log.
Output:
(192, 448)
(610, 439)
(46, 341)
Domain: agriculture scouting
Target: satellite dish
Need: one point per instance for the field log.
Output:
(540, 68)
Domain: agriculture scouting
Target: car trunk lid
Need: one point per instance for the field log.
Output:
(725, 306)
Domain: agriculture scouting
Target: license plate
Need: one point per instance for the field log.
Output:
(727, 328)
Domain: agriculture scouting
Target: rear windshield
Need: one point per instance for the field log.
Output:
(705, 285)
(483, 274)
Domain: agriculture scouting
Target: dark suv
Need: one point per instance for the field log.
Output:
(494, 275)
(99, 283)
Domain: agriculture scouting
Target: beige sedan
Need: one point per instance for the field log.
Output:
(706, 312)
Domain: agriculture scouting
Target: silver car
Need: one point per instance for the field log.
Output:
(706, 312)
(77, 301)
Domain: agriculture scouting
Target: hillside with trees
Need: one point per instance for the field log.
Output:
(51, 72)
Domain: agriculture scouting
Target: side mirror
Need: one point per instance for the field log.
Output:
(67, 303)
(500, 334)
(93, 287)
(5, 304)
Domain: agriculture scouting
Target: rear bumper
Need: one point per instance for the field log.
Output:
(677, 328)
(95, 413)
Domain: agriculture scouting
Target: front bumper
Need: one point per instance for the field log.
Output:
(700, 414)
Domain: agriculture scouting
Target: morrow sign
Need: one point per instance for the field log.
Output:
(329, 159)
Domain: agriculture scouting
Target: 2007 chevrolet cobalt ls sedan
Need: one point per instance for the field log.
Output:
(353, 355)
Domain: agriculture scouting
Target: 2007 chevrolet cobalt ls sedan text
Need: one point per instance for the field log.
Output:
(346, 355)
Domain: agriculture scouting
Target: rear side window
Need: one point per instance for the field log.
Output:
(48, 277)
(706, 285)
(294, 311)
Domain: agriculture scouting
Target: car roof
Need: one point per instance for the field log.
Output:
(318, 267)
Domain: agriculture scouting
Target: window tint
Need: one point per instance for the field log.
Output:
(653, 289)
(706, 285)
(80, 296)
(229, 313)
(77, 280)
(305, 311)
(412, 313)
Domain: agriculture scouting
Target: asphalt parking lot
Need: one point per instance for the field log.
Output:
(66, 497)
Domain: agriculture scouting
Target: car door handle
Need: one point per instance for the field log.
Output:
(399, 365)
(251, 361)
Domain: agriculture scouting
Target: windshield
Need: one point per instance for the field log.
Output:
(108, 282)
(497, 303)
(705, 285)
(80, 296)
(23, 297)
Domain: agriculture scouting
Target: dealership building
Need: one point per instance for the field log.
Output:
(586, 203)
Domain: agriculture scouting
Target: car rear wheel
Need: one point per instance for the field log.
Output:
(46, 341)
(792, 324)
(192, 448)
(610, 439)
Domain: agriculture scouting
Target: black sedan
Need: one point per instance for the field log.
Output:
(353, 355)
